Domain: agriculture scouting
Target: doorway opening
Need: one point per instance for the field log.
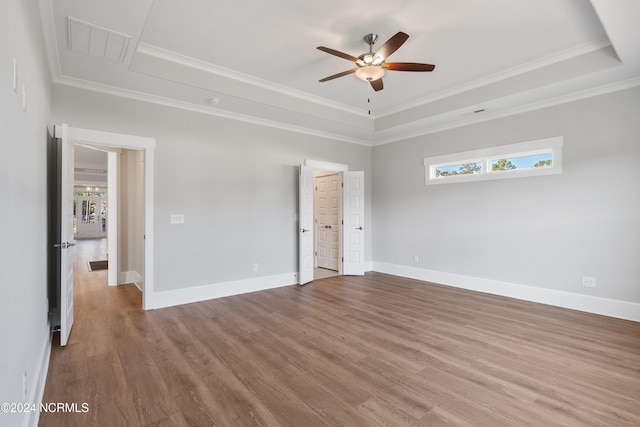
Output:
(66, 138)
(316, 235)
(90, 187)
(107, 205)
(121, 208)
(327, 205)
(90, 215)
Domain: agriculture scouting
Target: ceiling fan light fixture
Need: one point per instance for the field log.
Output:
(370, 73)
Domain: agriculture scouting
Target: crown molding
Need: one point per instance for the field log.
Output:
(399, 136)
(503, 75)
(168, 102)
(510, 111)
(190, 62)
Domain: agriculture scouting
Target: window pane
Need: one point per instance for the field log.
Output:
(522, 162)
(459, 169)
(539, 157)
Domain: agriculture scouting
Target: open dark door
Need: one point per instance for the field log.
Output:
(53, 228)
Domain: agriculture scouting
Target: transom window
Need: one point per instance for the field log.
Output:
(531, 158)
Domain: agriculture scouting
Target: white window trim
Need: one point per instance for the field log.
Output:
(485, 156)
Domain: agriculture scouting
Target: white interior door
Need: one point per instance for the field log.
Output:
(67, 243)
(353, 223)
(327, 216)
(305, 228)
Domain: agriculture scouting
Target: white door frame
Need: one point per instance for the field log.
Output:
(113, 192)
(330, 167)
(116, 140)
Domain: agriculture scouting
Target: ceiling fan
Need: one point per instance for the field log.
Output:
(371, 66)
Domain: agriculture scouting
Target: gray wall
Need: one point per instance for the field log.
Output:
(23, 218)
(543, 231)
(235, 183)
(131, 224)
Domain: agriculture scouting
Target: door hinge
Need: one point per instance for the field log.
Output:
(343, 259)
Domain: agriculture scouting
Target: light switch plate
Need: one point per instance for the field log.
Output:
(177, 219)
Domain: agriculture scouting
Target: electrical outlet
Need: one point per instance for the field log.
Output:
(416, 259)
(255, 266)
(589, 282)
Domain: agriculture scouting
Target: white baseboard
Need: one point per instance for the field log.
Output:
(127, 277)
(37, 384)
(591, 304)
(219, 290)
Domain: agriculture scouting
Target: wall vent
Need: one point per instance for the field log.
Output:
(96, 41)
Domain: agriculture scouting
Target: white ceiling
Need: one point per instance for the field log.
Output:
(258, 58)
(90, 166)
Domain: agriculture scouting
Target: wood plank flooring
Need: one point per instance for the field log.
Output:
(377, 350)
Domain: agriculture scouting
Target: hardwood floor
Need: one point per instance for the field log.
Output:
(352, 351)
(323, 273)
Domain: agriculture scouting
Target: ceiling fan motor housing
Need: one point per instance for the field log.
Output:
(371, 39)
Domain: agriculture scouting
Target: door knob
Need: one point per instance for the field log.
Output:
(64, 245)
(304, 230)
(360, 228)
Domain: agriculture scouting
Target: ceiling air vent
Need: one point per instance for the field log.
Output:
(96, 41)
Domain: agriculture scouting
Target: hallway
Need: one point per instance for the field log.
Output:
(88, 366)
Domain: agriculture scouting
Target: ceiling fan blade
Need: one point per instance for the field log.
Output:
(408, 66)
(335, 76)
(339, 54)
(377, 84)
(391, 45)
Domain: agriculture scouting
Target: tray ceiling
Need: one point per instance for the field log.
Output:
(257, 60)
